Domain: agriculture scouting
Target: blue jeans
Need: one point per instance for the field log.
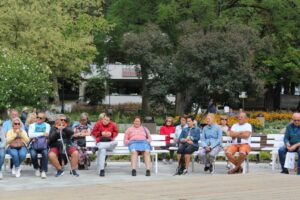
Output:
(2, 157)
(18, 155)
(282, 153)
(34, 159)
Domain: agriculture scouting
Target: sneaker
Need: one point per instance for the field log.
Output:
(13, 171)
(43, 175)
(102, 172)
(37, 173)
(285, 171)
(133, 172)
(165, 161)
(185, 171)
(18, 172)
(212, 168)
(148, 172)
(206, 168)
(60, 173)
(1, 175)
(171, 161)
(74, 173)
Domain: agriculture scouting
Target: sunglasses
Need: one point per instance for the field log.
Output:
(63, 120)
(223, 119)
(296, 120)
(40, 117)
(17, 124)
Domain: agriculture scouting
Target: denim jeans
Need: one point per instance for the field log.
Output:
(34, 159)
(18, 155)
(282, 153)
(2, 157)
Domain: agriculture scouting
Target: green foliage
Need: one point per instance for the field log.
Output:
(23, 81)
(95, 90)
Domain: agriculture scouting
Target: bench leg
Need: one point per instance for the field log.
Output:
(274, 158)
(156, 158)
(139, 161)
(193, 162)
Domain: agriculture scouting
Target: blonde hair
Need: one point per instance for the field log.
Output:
(29, 119)
(101, 116)
(13, 121)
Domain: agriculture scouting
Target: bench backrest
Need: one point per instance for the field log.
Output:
(157, 141)
(255, 141)
(275, 140)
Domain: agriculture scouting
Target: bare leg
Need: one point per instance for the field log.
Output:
(134, 155)
(231, 158)
(187, 160)
(178, 158)
(147, 159)
(74, 160)
(54, 160)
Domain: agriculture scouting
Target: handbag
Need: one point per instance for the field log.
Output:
(40, 143)
(105, 139)
(289, 162)
(17, 143)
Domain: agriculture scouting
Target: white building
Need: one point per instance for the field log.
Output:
(126, 86)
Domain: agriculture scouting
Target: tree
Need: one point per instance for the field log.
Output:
(216, 65)
(59, 34)
(150, 49)
(23, 81)
(95, 90)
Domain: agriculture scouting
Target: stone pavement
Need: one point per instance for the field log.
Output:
(260, 183)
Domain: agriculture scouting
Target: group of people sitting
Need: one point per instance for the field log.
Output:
(62, 143)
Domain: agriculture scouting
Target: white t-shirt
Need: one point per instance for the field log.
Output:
(244, 127)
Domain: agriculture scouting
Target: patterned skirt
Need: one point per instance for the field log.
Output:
(139, 145)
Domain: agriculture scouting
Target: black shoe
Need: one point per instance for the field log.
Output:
(206, 168)
(102, 172)
(211, 168)
(74, 173)
(148, 172)
(133, 172)
(285, 171)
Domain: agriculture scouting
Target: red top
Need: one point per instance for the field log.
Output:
(100, 127)
(167, 130)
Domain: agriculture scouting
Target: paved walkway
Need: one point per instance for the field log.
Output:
(260, 183)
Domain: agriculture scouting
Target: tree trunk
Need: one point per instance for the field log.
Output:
(145, 91)
(293, 88)
(268, 101)
(179, 104)
(276, 98)
(55, 91)
(286, 86)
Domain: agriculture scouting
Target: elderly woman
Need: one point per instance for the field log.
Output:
(138, 139)
(31, 118)
(16, 140)
(167, 129)
(211, 143)
(223, 125)
(2, 150)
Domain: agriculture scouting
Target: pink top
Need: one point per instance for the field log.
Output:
(133, 133)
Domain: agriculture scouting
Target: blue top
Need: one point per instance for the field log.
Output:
(211, 136)
(7, 126)
(193, 132)
(292, 134)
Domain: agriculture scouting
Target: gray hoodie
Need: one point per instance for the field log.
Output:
(2, 138)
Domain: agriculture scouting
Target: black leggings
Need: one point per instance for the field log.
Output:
(186, 149)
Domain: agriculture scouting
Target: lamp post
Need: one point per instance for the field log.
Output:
(243, 96)
(63, 96)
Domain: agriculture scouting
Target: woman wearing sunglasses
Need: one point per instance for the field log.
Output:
(16, 142)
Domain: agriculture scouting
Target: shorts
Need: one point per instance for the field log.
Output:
(187, 149)
(70, 150)
(241, 148)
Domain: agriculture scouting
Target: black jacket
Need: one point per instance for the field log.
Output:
(54, 136)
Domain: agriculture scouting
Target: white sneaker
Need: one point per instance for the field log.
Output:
(37, 173)
(185, 172)
(43, 175)
(13, 171)
(1, 175)
(171, 161)
(165, 161)
(18, 172)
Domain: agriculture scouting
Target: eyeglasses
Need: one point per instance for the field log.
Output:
(63, 120)
(223, 119)
(169, 121)
(40, 117)
(17, 124)
(296, 120)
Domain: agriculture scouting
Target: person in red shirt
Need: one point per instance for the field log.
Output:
(105, 132)
(167, 129)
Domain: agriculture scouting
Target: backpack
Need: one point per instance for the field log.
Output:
(84, 160)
